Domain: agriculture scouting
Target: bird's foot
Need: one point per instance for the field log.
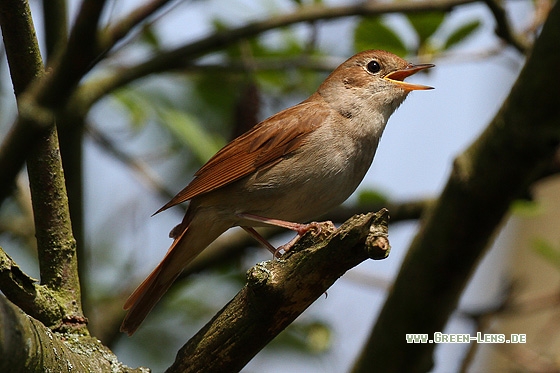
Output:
(299, 228)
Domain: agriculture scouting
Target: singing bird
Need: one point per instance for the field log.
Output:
(288, 169)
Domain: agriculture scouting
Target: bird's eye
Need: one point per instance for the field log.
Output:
(373, 67)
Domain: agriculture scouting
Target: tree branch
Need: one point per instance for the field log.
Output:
(56, 259)
(38, 105)
(36, 300)
(503, 28)
(56, 36)
(278, 291)
(27, 346)
(56, 245)
(25, 65)
(121, 28)
(496, 169)
(55, 29)
(80, 55)
(55, 242)
(182, 56)
(18, 31)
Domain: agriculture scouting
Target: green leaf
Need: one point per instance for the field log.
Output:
(545, 249)
(189, 131)
(310, 337)
(136, 105)
(461, 33)
(214, 96)
(318, 337)
(370, 197)
(426, 24)
(372, 33)
(526, 208)
(150, 37)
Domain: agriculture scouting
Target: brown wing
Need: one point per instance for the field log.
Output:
(264, 145)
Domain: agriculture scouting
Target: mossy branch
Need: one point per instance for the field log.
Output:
(36, 300)
(56, 245)
(57, 302)
(27, 346)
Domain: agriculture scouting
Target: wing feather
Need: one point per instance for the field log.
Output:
(263, 146)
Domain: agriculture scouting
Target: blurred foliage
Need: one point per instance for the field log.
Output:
(382, 32)
(526, 208)
(373, 33)
(548, 251)
(287, 45)
(307, 337)
(370, 197)
(136, 104)
(149, 37)
(308, 2)
(189, 131)
(425, 25)
(460, 34)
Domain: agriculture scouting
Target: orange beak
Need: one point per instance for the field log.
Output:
(398, 76)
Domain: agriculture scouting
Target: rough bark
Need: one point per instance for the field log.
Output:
(27, 346)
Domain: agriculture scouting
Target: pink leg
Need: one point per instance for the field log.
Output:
(261, 239)
(287, 246)
(297, 227)
(300, 229)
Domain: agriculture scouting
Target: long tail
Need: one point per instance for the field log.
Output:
(186, 246)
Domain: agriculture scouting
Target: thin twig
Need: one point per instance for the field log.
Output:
(122, 28)
(504, 29)
(184, 55)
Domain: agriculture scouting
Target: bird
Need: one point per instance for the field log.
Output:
(287, 170)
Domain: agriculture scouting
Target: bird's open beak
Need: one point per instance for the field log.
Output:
(398, 76)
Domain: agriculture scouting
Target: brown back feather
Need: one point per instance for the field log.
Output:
(263, 146)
